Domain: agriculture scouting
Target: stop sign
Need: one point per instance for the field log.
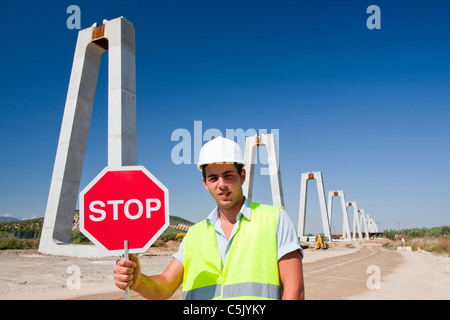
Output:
(126, 203)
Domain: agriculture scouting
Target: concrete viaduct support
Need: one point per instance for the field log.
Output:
(118, 37)
(365, 222)
(345, 225)
(356, 220)
(322, 202)
(251, 144)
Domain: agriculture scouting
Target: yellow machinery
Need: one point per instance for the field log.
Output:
(320, 243)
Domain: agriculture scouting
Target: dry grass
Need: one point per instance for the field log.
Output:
(439, 245)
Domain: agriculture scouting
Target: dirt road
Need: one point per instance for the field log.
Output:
(337, 273)
(344, 276)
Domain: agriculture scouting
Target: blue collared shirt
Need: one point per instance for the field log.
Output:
(287, 239)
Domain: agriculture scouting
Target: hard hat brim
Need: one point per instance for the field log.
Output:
(200, 165)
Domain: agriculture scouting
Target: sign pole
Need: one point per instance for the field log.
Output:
(125, 255)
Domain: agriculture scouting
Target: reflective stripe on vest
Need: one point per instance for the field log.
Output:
(232, 291)
(251, 268)
(203, 293)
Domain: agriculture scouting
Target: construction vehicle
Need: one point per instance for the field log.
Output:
(320, 243)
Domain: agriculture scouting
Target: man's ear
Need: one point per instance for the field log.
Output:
(243, 176)
(204, 184)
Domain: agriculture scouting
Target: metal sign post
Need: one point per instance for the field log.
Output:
(125, 255)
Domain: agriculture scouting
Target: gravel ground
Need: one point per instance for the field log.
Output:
(336, 273)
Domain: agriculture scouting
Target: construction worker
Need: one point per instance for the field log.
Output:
(242, 250)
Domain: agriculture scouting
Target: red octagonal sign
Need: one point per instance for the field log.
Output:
(126, 203)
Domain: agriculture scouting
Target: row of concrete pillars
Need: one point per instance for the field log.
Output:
(360, 218)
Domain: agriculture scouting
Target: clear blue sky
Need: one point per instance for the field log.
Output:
(370, 109)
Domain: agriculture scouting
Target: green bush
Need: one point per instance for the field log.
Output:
(77, 237)
(168, 234)
(10, 243)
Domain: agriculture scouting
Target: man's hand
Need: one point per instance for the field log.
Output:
(127, 272)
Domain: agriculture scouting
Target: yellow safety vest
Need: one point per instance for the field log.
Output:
(251, 267)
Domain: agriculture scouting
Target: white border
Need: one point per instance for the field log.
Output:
(126, 168)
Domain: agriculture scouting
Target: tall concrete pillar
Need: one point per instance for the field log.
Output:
(345, 225)
(364, 222)
(121, 93)
(251, 144)
(356, 220)
(118, 36)
(375, 226)
(322, 202)
(370, 224)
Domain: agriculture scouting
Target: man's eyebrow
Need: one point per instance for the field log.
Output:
(216, 175)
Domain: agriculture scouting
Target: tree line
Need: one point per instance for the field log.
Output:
(434, 232)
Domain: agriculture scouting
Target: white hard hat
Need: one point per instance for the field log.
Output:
(220, 150)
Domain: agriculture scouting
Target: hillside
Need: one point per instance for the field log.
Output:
(177, 225)
(22, 225)
(8, 219)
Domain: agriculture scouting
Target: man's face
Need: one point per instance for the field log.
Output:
(225, 184)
